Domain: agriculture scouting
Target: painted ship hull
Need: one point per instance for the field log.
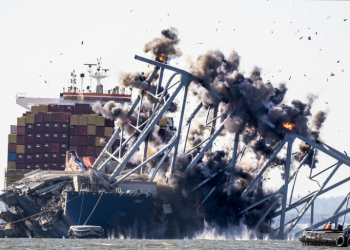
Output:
(120, 215)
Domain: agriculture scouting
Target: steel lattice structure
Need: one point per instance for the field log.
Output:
(143, 131)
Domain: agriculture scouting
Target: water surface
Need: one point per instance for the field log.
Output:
(61, 244)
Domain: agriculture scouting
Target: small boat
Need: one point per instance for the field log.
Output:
(85, 232)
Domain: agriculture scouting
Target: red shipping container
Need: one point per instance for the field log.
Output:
(37, 158)
(116, 143)
(82, 130)
(20, 166)
(38, 127)
(64, 128)
(38, 138)
(78, 108)
(90, 140)
(28, 159)
(98, 151)
(109, 123)
(47, 137)
(47, 127)
(73, 148)
(21, 130)
(100, 131)
(37, 148)
(27, 166)
(81, 140)
(46, 147)
(62, 157)
(21, 139)
(63, 147)
(45, 157)
(29, 128)
(55, 127)
(19, 158)
(12, 148)
(47, 117)
(59, 108)
(90, 150)
(64, 117)
(81, 150)
(73, 140)
(63, 138)
(52, 108)
(55, 117)
(61, 167)
(69, 109)
(36, 166)
(39, 118)
(45, 166)
(55, 147)
(73, 129)
(29, 148)
(54, 166)
(55, 137)
(87, 109)
(54, 157)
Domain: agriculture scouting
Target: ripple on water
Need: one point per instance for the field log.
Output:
(60, 244)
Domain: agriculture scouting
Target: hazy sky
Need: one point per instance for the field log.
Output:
(299, 43)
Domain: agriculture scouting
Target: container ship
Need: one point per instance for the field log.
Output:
(48, 185)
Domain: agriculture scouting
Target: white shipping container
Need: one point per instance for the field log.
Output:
(13, 129)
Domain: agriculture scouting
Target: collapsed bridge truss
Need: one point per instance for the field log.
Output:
(164, 100)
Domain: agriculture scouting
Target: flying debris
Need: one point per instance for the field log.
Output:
(50, 62)
(345, 20)
(332, 74)
(290, 77)
(131, 10)
(82, 42)
(309, 38)
(300, 38)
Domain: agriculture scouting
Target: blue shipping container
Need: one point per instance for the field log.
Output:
(12, 157)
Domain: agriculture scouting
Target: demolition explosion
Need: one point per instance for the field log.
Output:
(210, 166)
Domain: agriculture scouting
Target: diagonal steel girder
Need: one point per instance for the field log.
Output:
(308, 197)
(145, 132)
(308, 204)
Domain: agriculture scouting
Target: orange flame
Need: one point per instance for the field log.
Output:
(160, 58)
(288, 125)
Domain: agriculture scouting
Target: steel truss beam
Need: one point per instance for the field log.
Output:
(164, 100)
(307, 200)
(143, 130)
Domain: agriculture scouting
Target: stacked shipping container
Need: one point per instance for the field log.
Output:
(42, 137)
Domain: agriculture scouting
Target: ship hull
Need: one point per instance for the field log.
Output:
(120, 215)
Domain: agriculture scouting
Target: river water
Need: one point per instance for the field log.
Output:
(62, 244)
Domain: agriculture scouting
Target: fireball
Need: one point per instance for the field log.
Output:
(288, 125)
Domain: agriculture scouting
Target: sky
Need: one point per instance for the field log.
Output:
(302, 43)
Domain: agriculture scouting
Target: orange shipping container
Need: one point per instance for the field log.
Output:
(88, 161)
